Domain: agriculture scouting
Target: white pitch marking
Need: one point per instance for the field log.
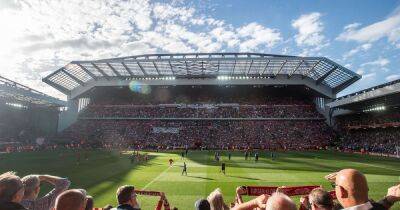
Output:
(155, 179)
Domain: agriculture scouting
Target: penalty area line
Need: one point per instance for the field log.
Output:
(155, 179)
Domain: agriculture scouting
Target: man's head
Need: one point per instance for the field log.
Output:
(126, 195)
(202, 204)
(89, 203)
(71, 200)
(320, 200)
(11, 188)
(351, 188)
(32, 186)
(280, 201)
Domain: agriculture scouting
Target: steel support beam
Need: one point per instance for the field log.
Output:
(251, 63)
(297, 67)
(141, 68)
(280, 69)
(101, 71)
(73, 77)
(345, 84)
(87, 71)
(233, 69)
(127, 69)
(57, 86)
(311, 69)
(114, 70)
(323, 77)
(172, 69)
(156, 67)
(265, 68)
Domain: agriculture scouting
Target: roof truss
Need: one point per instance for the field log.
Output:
(207, 65)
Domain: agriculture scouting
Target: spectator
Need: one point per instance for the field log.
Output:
(352, 191)
(126, 197)
(71, 200)
(258, 202)
(89, 203)
(392, 196)
(320, 199)
(32, 189)
(202, 204)
(11, 192)
(107, 207)
(216, 200)
(280, 201)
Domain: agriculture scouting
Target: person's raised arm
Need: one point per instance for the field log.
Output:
(239, 192)
(54, 180)
(393, 196)
(258, 202)
(160, 202)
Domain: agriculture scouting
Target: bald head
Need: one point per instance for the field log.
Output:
(71, 200)
(280, 201)
(351, 185)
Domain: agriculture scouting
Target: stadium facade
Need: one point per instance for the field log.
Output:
(319, 74)
(205, 98)
(25, 113)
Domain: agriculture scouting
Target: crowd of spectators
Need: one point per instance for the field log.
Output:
(378, 140)
(370, 132)
(369, 119)
(223, 134)
(350, 192)
(201, 111)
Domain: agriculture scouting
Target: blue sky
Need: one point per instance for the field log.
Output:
(41, 36)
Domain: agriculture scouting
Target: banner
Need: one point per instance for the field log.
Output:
(160, 203)
(290, 191)
(165, 130)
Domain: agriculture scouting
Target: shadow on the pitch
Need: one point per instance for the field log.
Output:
(199, 177)
(243, 177)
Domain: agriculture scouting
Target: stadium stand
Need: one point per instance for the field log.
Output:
(235, 101)
(26, 115)
(369, 119)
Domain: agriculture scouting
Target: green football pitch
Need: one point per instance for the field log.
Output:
(104, 171)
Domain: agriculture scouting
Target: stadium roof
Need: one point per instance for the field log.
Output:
(323, 71)
(387, 94)
(16, 93)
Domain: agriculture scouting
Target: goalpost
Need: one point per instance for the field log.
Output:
(398, 151)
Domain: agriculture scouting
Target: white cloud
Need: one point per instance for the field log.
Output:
(360, 71)
(392, 77)
(381, 62)
(310, 29)
(45, 35)
(254, 35)
(368, 76)
(389, 28)
(361, 48)
(352, 26)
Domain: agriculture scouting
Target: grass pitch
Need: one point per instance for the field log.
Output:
(106, 170)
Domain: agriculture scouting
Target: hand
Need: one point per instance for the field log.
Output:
(261, 200)
(162, 195)
(393, 194)
(331, 177)
(240, 190)
(304, 200)
(280, 189)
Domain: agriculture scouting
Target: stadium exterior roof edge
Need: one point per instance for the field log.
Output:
(17, 92)
(325, 72)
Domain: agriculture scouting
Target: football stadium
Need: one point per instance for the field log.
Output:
(201, 131)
